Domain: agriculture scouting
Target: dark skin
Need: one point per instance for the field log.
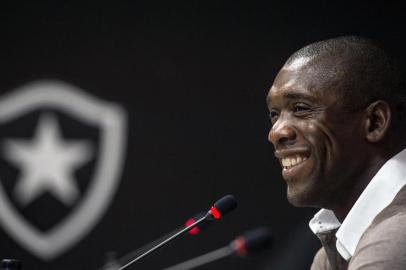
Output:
(328, 153)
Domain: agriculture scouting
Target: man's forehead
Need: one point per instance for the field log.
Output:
(303, 78)
(291, 72)
(290, 76)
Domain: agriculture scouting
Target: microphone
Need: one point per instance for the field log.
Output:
(219, 209)
(251, 242)
(223, 206)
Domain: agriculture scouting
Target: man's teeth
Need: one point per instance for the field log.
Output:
(289, 162)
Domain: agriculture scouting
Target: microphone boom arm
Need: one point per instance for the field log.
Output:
(168, 240)
(203, 259)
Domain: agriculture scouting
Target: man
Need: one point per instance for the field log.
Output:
(337, 109)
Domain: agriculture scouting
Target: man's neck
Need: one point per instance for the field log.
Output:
(344, 204)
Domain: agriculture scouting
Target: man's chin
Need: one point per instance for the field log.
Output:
(296, 202)
(300, 198)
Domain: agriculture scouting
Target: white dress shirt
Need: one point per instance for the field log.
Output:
(379, 193)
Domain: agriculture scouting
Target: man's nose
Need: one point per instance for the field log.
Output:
(282, 132)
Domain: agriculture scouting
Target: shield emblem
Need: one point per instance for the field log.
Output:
(34, 179)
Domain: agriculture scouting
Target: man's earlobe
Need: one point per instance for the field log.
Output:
(378, 118)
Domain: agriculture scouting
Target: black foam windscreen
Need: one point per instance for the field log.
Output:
(257, 239)
(226, 204)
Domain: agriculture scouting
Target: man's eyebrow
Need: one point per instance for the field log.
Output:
(293, 95)
(296, 95)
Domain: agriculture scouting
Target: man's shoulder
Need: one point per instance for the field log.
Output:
(386, 226)
(390, 222)
(394, 212)
(383, 245)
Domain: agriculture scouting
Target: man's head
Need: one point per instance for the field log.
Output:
(337, 111)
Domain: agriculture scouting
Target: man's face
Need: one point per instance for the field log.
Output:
(317, 141)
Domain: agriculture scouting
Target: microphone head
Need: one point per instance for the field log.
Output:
(223, 206)
(252, 241)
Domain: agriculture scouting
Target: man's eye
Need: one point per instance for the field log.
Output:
(301, 108)
(273, 115)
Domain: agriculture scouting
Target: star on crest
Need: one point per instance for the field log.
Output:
(47, 163)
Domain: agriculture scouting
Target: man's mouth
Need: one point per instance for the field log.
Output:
(292, 161)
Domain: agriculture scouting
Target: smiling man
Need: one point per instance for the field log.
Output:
(339, 129)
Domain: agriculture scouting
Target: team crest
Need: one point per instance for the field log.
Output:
(61, 157)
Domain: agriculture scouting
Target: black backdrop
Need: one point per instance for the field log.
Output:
(192, 77)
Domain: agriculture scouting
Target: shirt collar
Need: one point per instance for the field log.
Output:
(379, 193)
(323, 222)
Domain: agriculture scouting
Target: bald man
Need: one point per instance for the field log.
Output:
(337, 109)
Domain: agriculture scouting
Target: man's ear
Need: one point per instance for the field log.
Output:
(378, 117)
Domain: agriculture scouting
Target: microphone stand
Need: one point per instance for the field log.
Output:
(204, 259)
(167, 241)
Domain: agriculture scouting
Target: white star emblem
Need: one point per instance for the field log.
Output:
(47, 163)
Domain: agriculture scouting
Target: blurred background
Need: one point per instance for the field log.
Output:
(148, 112)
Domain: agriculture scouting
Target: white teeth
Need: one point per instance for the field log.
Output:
(298, 159)
(289, 162)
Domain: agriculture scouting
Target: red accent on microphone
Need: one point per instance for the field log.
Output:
(240, 246)
(195, 230)
(216, 214)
